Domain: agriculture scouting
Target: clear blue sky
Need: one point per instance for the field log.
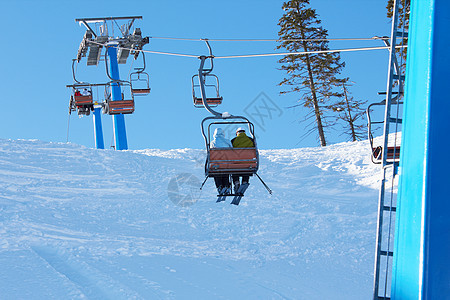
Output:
(40, 39)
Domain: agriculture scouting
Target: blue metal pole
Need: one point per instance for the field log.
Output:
(120, 133)
(421, 267)
(98, 131)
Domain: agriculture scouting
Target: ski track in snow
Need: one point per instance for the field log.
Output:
(82, 223)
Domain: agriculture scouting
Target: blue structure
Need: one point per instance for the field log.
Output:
(118, 49)
(120, 134)
(98, 131)
(421, 267)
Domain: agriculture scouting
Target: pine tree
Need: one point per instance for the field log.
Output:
(311, 75)
(350, 111)
(403, 10)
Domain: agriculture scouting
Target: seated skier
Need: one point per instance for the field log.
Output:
(86, 92)
(241, 141)
(223, 183)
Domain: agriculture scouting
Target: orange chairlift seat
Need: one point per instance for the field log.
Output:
(232, 161)
(120, 107)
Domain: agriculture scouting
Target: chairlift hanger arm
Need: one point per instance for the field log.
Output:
(143, 60)
(211, 56)
(73, 71)
(201, 79)
(140, 70)
(88, 27)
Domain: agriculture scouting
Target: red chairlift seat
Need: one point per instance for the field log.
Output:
(232, 161)
(83, 100)
(140, 91)
(198, 102)
(120, 107)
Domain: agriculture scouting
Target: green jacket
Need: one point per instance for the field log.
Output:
(242, 141)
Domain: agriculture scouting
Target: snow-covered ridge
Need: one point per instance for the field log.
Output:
(77, 222)
(345, 158)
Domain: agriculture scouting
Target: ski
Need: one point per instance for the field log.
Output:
(240, 193)
(221, 198)
(223, 194)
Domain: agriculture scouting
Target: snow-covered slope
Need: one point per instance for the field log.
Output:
(99, 224)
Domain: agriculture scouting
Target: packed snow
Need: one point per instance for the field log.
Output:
(80, 223)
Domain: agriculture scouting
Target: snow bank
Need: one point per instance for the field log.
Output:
(83, 223)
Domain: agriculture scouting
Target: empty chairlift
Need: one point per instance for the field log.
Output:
(123, 106)
(140, 83)
(211, 85)
(140, 80)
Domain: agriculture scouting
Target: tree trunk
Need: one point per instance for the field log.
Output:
(323, 143)
(350, 120)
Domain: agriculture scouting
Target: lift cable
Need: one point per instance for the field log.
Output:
(305, 52)
(258, 55)
(259, 40)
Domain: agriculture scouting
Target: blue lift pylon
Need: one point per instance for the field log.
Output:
(120, 133)
(99, 35)
(98, 131)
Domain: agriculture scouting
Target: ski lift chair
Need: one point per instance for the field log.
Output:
(123, 106)
(229, 161)
(83, 101)
(393, 152)
(212, 101)
(140, 83)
